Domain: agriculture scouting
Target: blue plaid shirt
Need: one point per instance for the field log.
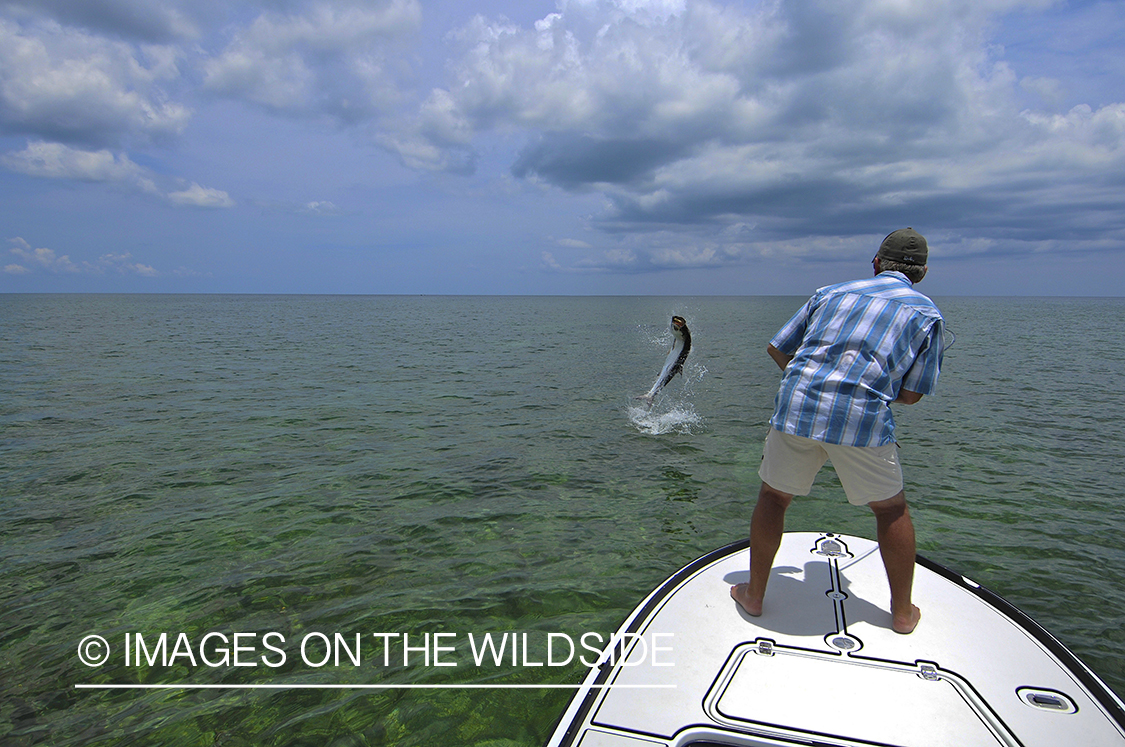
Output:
(855, 346)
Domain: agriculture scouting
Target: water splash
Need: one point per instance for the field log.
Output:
(672, 411)
(654, 422)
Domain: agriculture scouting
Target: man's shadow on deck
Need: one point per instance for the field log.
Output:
(799, 605)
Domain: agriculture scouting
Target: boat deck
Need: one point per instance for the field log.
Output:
(823, 666)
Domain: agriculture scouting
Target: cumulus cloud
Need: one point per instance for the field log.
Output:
(119, 72)
(829, 117)
(121, 263)
(88, 82)
(323, 58)
(46, 260)
(438, 138)
(204, 197)
(41, 259)
(66, 85)
(85, 82)
(58, 161)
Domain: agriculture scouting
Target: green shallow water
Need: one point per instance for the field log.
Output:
(425, 465)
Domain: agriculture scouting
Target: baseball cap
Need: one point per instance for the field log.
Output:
(904, 245)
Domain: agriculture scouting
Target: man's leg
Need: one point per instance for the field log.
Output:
(896, 544)
(766, 527)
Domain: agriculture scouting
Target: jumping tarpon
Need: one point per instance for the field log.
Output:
(674, 363)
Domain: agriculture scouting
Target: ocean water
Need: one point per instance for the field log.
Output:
(248, 475)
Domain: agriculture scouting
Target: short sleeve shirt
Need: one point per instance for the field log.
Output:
(856, 345)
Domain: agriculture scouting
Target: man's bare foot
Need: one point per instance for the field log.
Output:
(906, 625)
(741, 594)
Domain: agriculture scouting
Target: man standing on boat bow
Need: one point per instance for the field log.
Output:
(850, 352)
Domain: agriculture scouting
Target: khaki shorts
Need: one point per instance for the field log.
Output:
(868, 473)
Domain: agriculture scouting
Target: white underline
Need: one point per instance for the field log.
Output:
(364, 687)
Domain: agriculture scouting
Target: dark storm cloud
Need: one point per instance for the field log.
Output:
(578, 161)
(138, 20)
(796, 118)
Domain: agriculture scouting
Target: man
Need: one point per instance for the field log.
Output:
(850, 352)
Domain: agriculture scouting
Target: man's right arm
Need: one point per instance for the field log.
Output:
(907, 397)
(780, 358)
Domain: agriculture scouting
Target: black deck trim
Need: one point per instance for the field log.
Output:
(657, 597)
(1068, 658)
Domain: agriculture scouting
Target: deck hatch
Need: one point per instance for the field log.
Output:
(797, 691)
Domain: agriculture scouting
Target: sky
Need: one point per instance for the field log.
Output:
(575, 147)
